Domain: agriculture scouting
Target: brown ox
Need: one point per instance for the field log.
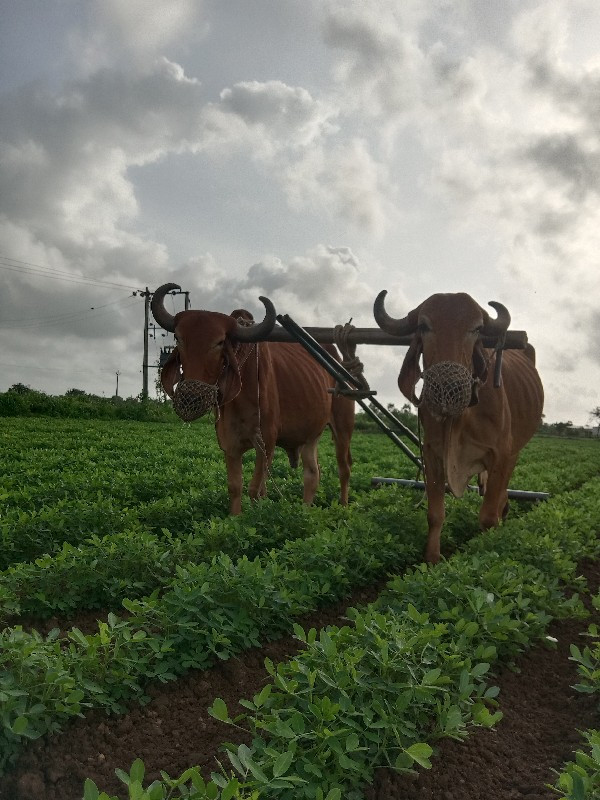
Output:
(469, 426)
(263, 394)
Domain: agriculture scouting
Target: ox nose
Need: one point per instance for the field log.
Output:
(447, 388)
(193, 399)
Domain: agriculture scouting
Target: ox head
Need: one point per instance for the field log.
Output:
(447, 332)
(203, 370)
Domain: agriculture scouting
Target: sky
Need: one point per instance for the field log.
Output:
(313, 151)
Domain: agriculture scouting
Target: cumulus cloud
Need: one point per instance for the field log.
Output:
(133, 34)
(422, 126)
(316, 286)
(284, 113)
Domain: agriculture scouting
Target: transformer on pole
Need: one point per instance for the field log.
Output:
(147, 295)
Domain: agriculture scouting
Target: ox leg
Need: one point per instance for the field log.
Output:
(234, 482)
(344, 463)
(436, 509)
(495, 501)
(311, 472)
(264, 458)
(342, 427)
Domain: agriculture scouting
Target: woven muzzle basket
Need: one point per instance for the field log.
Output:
(447, 389)
(194, 399)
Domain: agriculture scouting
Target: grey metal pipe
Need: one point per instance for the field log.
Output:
(341, 374)
(513, 494)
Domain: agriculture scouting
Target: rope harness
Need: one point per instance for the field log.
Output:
(348, 351)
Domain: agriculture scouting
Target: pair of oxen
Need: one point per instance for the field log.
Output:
(267, 394)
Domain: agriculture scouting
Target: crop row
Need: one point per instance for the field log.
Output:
(580, 779)
(103, 571)
(109, 479)
(415, 666)
(100, 551)
(70, 480)
(211, 610)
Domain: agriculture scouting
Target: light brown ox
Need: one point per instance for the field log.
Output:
(469, 426)
(264, 394)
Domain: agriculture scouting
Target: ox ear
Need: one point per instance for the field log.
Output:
(410, 371)
(480, 362)
(480, 371)
(242, 315)
(230, 382)
(170, 374)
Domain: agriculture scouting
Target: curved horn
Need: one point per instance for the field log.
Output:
(260, 330)
(498, 326)
(395, 327)
(159, 312)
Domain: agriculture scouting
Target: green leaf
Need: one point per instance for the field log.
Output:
(347, 763)
(420, 752)
(122, 776)
(90, 790)
(282, 764)
(262, 696)
(155, 791)
(237, 764)
(137, 771)
(431, 677)
(578, 792)
(136, 791)
(299, 632)
(219, 711)
(219, 780)
(20, 725)
(230, 790)
(352, 743)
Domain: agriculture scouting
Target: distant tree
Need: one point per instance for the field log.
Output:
(74, 393)
(161, 395)
(595, 415)
(562, 427)
(20, 388)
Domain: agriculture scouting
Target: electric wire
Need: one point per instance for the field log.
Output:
(72, 317)
(29, 268)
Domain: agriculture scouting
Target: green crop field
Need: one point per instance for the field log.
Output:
(130, 519)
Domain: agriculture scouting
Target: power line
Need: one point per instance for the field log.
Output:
(37, 368)
(28, 268)
(72, 317)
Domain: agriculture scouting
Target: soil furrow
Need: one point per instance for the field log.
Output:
(539, 731)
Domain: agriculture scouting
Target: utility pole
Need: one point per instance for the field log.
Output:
(145, 366)
(146, 295)
(117, 373)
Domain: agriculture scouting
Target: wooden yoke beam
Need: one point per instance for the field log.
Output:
(515, 340)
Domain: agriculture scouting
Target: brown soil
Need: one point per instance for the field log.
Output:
(514, 761)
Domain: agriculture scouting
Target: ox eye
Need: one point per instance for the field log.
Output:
(477, 330)
(423, 327)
